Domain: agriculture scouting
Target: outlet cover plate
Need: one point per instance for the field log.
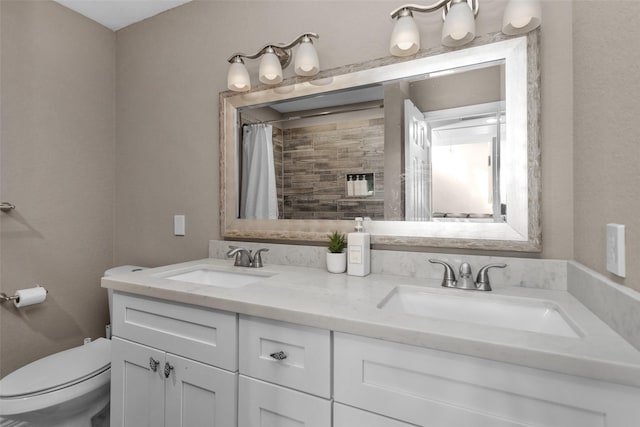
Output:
(615, 249)
(178, 225)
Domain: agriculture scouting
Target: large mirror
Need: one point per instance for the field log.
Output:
(440, 151)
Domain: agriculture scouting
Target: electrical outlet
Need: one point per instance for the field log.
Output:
(615, 249)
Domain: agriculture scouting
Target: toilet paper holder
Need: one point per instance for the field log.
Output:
(4, 297)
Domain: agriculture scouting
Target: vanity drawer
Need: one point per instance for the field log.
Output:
(202, 334)
(262, 404)
(426, 387)
(306, 354)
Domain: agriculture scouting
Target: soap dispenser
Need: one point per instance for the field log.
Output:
(350, 186)
(359, 250)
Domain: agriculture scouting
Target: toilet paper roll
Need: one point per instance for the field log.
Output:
(30, 296)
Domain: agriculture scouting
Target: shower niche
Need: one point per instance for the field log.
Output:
(360, 184)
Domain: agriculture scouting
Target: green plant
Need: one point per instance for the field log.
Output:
(337, 242)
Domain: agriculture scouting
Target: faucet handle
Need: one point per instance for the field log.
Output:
(449, 279)
(482, 281)
(257, 257)
(243, 256)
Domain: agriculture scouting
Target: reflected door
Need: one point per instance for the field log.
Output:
(417, 165)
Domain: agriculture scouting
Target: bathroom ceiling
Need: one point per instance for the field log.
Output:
(117, 14)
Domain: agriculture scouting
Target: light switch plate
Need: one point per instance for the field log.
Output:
(615, 249)
(178, 225)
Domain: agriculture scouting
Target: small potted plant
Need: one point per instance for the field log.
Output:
(337, 257)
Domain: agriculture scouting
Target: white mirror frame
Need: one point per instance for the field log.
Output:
(521, 232)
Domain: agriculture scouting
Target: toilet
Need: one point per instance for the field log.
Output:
(66, 389)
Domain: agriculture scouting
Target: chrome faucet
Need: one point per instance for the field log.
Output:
(466, 278)
(245, 258)
(257, 258)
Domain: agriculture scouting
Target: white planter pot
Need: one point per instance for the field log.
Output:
(336, 263)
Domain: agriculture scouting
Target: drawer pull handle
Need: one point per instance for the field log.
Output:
(167, 369)
(281, 355)
(153, 364)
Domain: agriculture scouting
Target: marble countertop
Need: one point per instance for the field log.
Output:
(343, 303)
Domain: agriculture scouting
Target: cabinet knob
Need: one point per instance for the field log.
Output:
(153, 364)
(281, 355)
(167, 369)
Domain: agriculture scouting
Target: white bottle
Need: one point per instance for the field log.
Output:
(350, 185)
(365, 186)
(361, 186)
(359, 251)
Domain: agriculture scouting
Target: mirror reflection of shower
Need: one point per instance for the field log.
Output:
(379, 150)
(258, 196)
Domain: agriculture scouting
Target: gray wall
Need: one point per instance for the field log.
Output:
(606, 63)
(171, 68)
(57, 79)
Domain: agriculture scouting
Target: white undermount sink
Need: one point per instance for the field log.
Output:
(218, 278)
(522, 314)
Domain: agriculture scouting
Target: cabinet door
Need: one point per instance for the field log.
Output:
(346, 416)
(267, 405)
(433, 388)
(137, 391)
(199, 395)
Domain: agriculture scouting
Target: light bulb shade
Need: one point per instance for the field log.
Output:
(306, 63)
(459, 26)
(521, 16)
(270, 69)
(238, 77)
(405, 38)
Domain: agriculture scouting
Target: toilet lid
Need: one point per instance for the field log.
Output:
(58, 370)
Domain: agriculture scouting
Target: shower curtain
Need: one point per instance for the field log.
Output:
(259, 198)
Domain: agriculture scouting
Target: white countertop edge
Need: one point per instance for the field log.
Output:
(342, 303)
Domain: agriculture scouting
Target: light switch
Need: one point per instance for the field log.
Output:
(178, 225)
(615, 249)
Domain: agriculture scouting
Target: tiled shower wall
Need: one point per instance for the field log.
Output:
(316, 161)
(276, 138)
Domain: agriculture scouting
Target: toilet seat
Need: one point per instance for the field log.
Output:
(56, 378)
(58, 370)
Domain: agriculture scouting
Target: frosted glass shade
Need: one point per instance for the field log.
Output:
(270, 69)
(306, 62)
(238, 77)
(405, 38)
(521, 16)
(459, 26)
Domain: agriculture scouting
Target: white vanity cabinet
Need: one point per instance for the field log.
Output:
(285, 374)
(425, 387)
(235, 370)
(172, 364)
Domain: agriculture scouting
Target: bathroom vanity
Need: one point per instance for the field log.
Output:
(206, 343)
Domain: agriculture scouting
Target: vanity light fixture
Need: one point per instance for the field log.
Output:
(275, 57)
(520, 16)
(459, 25)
